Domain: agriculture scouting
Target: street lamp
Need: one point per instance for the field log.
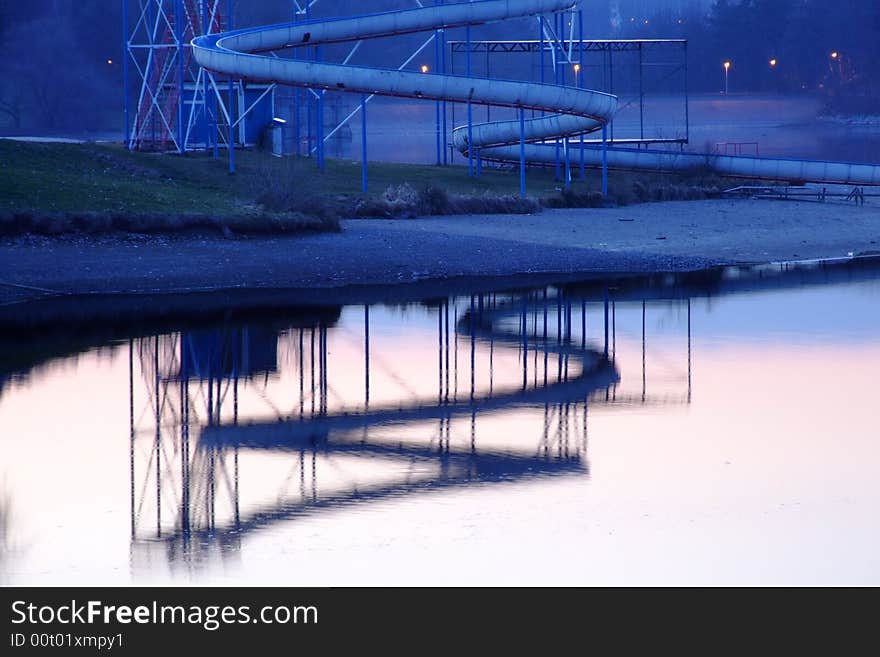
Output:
(424, 68)
(726, 76)
(577, 69)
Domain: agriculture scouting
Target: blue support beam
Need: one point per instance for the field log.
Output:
(605, 161)
(364, 179)
(580, 82)
(522, 152)
(126, 81)
(470, 112)
(179, 29)
(232, 100)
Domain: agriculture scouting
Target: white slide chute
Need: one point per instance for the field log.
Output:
(570, 111)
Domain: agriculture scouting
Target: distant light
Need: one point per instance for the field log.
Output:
(110, 62)
(835, 55)
(727, 66)
(424, 68)
(773, 62)
(646, 21)
(577, 68)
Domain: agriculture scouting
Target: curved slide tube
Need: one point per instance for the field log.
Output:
(573, 111)
(761, 168)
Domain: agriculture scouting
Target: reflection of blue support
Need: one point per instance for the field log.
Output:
(523, 325)
(606, 322)
(366, 357)
(364, 180)
(522, 152)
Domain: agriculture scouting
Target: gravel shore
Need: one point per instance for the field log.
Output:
(671, 236)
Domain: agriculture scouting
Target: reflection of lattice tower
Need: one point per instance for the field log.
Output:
(159, 63)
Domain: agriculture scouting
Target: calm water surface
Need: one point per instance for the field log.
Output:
(730, 436)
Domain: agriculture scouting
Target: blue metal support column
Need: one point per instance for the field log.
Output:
(580, 82)
(319, 130)
(364, 179)
(604, 161)
(522, 152)
(125, 75)
(297, 132)
(687, 100)
(319, 119)
(179, 36)
(443, 72)
(567, 155)
(641, 95)
(556, 81)
(437, 53)
(308, 93)
(611, 85)
(470, 111)
(206, 27)
(215, 136)
(232, 101)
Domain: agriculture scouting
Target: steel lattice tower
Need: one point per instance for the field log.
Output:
(165, 92)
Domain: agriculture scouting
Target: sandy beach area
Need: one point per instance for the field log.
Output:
(671, 236)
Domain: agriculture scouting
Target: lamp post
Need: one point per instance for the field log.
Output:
(726, 76)
(837, 58)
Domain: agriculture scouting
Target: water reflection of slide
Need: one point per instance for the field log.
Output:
(187, 495)
(574, 111)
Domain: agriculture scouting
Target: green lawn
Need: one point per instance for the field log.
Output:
(52, 178)
(108, 178)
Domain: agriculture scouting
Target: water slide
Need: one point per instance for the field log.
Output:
(570, 111)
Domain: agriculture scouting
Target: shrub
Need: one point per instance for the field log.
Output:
(92, 223)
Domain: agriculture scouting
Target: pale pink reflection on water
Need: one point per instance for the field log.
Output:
(747, 454)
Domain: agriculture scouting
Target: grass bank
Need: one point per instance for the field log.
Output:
(51, 188)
